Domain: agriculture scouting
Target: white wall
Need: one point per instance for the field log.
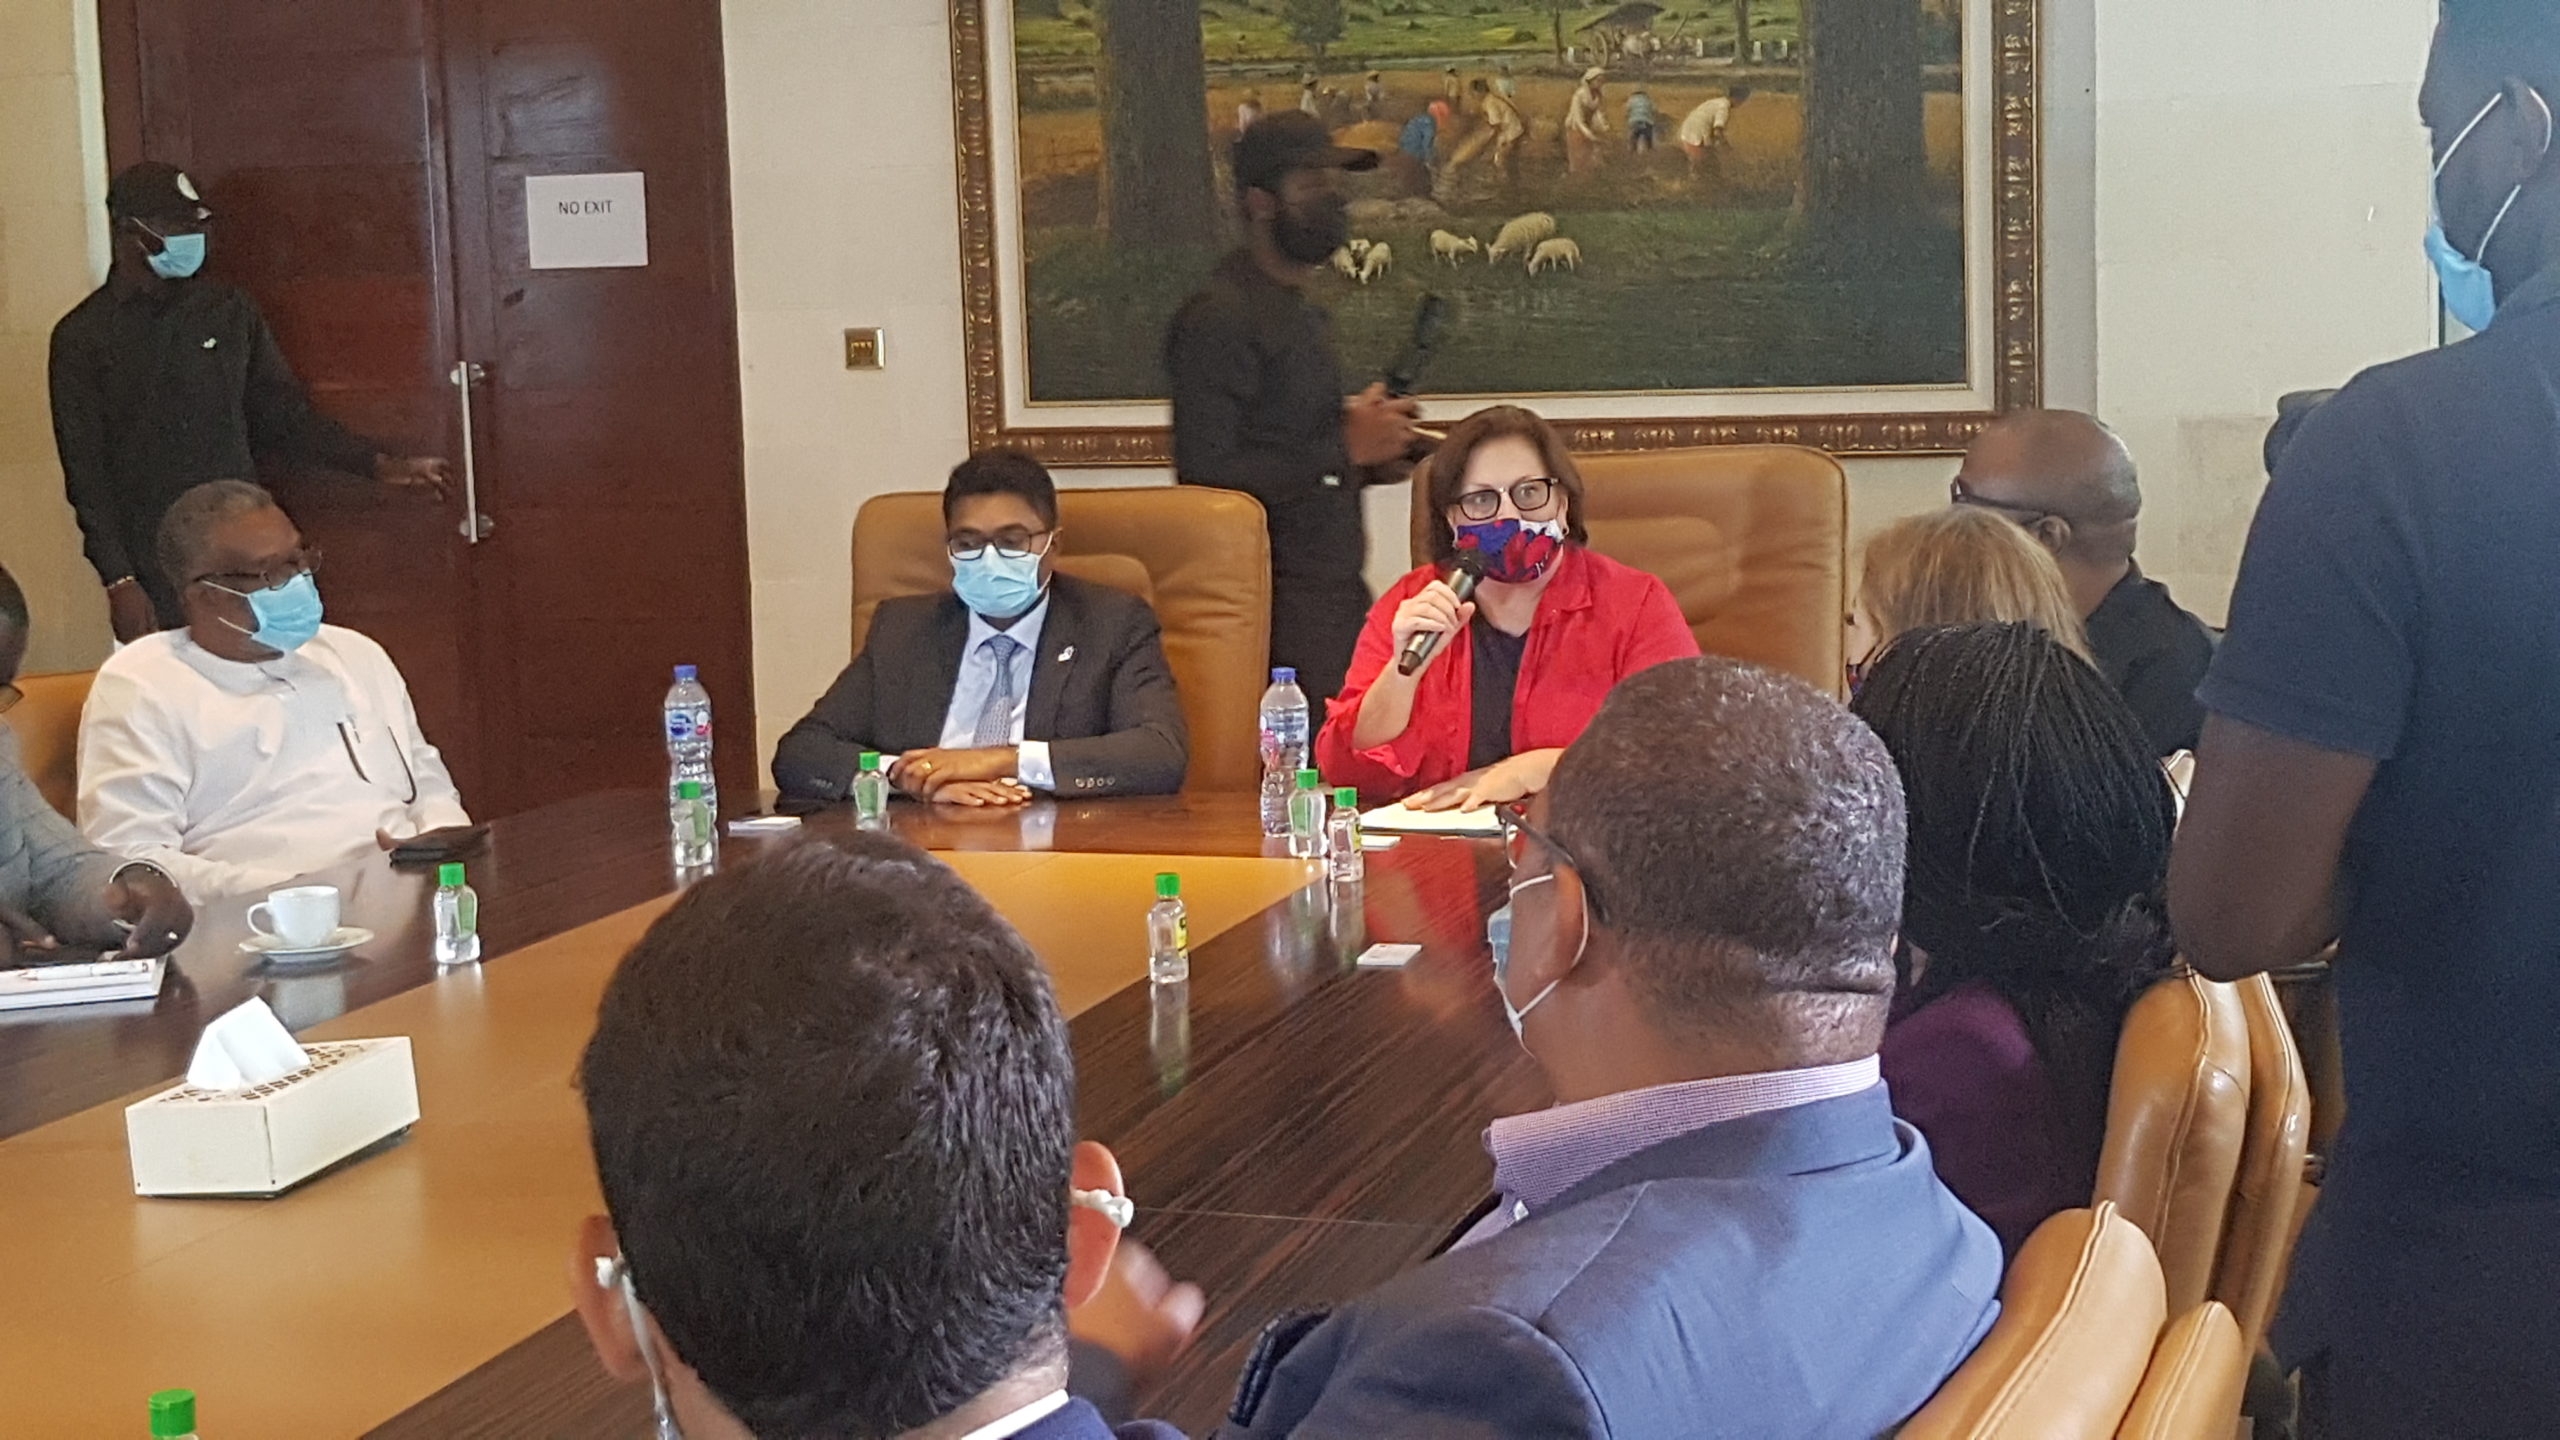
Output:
(2262, 187)
(52, 251)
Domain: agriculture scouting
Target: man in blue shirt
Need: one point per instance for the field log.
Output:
(2381, 767)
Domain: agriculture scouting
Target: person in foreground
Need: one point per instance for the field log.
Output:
(257, 743)
(2381, 766)
(842, 1186)
(2071, 483)
(1015, 680)
(1720, 1230)
(1958, 566)
(1523, 665)
(61, 899)
(2034, 913)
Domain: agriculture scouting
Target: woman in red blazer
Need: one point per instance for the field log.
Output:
(1524, 665)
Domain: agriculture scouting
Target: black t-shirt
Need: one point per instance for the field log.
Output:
(1496, 680)
(2155, 654)
(1257, 406)
(2400, 599)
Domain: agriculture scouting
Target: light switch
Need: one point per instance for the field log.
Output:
(865, 349)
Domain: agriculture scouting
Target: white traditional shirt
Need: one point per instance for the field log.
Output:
(233, 777)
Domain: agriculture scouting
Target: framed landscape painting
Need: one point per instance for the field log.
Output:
(1700, 222)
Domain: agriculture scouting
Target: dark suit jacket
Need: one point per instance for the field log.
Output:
(1800, 1273)
(1110, 714)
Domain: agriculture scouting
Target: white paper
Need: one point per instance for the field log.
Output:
(1396, 818)
(1387, 957)
(249, 1046)
(586, 222)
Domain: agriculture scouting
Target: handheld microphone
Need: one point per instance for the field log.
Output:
(1462, 580)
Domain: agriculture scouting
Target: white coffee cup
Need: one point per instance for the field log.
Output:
(302, 917)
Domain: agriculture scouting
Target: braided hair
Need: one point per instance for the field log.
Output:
(2039, 840)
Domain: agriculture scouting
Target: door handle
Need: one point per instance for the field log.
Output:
(476, 527)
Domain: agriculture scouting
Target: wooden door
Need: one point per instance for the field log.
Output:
(368, 158)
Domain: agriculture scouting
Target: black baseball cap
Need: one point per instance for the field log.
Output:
(1289, 140)
(154, 189)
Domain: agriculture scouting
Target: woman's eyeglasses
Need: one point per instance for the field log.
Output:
(1526, 495)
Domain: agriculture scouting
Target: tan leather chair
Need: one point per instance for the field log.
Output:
(2176, 1116)
(1752, 539)
(2080, 1311)
(48, 727)
(1201, 557)
(2192, 1390)
(2257, 1248)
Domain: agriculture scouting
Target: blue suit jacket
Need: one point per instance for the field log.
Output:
(1800, 1273)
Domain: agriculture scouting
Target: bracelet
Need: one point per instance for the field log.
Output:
(114, 585)
(130, 866)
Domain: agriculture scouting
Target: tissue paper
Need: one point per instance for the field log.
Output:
(249, 1046)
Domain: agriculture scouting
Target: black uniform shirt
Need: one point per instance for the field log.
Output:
(2155, 654)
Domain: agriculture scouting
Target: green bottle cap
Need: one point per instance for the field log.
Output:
(688, 789)
(448, 874)
(870, 761)
(1168, 886)
(1347, 798)
(1309, 780)
(173, 1412)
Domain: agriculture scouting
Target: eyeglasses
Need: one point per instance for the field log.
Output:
(305, 561)
(2023, 514)
(1012, 544)
(10, 695)
(1526, 495)
(1517, 830)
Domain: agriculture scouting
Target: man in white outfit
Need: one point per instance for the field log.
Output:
(256, 744)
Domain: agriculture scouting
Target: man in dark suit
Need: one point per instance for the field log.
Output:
(1016, 680)
(1720, 1230)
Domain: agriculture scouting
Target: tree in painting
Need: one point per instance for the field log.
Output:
(1864, 141)
(1150, 90)
(1315, 24)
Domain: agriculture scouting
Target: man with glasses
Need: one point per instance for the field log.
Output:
(1719, 1229)
(256, 744)
(164, 378)
(1017, 680)
(60, 898)
(2071, 483)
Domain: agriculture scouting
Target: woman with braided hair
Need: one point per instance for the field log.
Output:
(2032, 910)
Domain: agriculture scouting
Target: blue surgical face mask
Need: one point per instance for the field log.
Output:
(997, 585)
(288, 615)
(180, 256)
(2470, 292)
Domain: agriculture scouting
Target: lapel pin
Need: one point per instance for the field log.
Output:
(208, 342)
(1066, 655)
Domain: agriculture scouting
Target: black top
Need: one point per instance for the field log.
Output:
(1257, 406)
(2399, 601)
(1497, 680)
(158, 391)
(2155, 655)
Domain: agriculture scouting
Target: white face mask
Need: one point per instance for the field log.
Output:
(615, 1274)
(1518, 1015)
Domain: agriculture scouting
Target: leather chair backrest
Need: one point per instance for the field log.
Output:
(1752, 539)
(2257, 1248)
(2193, 1389)
(2175, 1119)
(48, 726)
(1201, 557)
(2079, 1311)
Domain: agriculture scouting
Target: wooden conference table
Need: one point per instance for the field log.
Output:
(1294, 1130)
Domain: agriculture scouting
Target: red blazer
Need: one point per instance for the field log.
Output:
(1598, 622)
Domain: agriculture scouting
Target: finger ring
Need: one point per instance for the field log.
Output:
(925, 765)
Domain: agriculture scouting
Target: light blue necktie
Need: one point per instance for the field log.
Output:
(995, 719)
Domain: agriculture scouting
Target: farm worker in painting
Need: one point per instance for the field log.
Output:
(1503, 85)
(1307, 96)
(1641, 118)
(1501, 130)
(1705, 127)
(1421, 139)
(1374, 93)
(1258, 402)
(1248, 111)
(1586, 119)
(1449, 85)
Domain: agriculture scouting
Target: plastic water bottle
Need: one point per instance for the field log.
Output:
(696, 842)
(173, 1415)
(688, 716)
(1342, 858)
(1284, 747)
(1168, 934)
(870, 793)
(457, 918)
(1307, 817)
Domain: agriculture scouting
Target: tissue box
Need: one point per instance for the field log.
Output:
(268, 1138)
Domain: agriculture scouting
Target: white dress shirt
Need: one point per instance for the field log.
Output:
(1022, 1419)
(977, 681)
(233, 777)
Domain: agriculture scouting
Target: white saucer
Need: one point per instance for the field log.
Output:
(340, 941)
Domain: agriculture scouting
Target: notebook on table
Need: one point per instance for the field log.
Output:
(38, 986)
(1397, 820)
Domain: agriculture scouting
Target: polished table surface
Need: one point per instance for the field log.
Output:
(1294, 1130)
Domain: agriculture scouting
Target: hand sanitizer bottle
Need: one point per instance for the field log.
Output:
(691, 822)
(870, 793)
(173, 1415)
(457, 918)
(1306, 817)
(1342, 859)
(1168, 934)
